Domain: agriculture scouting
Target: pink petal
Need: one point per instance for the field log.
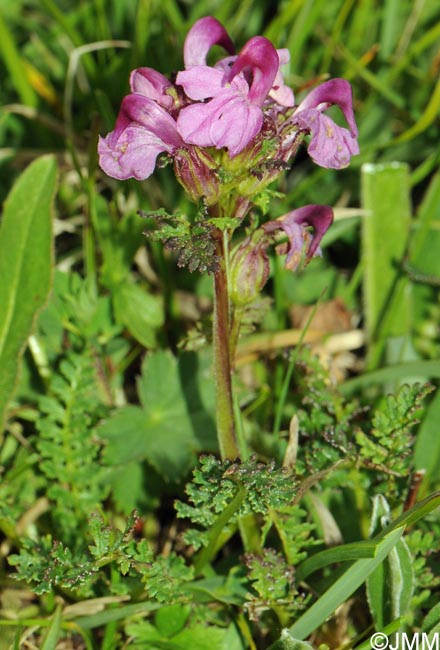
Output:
(260, 56)
(333, 92)
(151, 84)
(148, 114)
(280, 93)
(226, 63)
(143, 129)
(319, 217)
(133, 155)
(201, 82)
(205, 33)
(229, 121)
(236, 125)
(331, 145)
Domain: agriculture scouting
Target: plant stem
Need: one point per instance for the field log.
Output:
(222, 361)
(214, 534)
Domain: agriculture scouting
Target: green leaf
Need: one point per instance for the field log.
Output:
(343, 553)
(25, 265)
(390, 586)
(399, 372)
(288, 642)
(118, 614)
(171, 620)
(343, 588)
(144, 632)
(175, 420)
(200, 637)
(360, 570)
(53, 633)
(427, 447)
(432, 620)
(426, 236)
(140, 312)
(385, 190)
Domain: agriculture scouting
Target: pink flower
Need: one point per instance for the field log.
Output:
(319, 217)
(224, 106)
(233, 114)
(330, 145)
(143, 130)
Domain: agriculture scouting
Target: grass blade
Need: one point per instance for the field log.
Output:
(53, 632)
(343, 588)
(15, 66)
(385, 190)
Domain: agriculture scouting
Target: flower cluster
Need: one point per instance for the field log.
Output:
(223, 106)
(230, 128)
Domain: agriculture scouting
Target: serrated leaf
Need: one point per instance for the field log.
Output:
(25, 264)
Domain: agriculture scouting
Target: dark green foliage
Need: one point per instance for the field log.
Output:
(252, 486)
(174, 419)
(387, 445)
(46, 564)
(164, 577)
(326, 419)
(295, 532)
(192, 243)
(49, 564)
(273, 580)
(68, 445)
(425, 549)
(333, 428)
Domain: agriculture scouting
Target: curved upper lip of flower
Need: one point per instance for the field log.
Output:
(143, 129)
(205, 33)
(259, 56)
(330, 145)
(333, 92)
(319, 217)
(151, 84)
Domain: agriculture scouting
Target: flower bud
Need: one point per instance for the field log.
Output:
(249, 269)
